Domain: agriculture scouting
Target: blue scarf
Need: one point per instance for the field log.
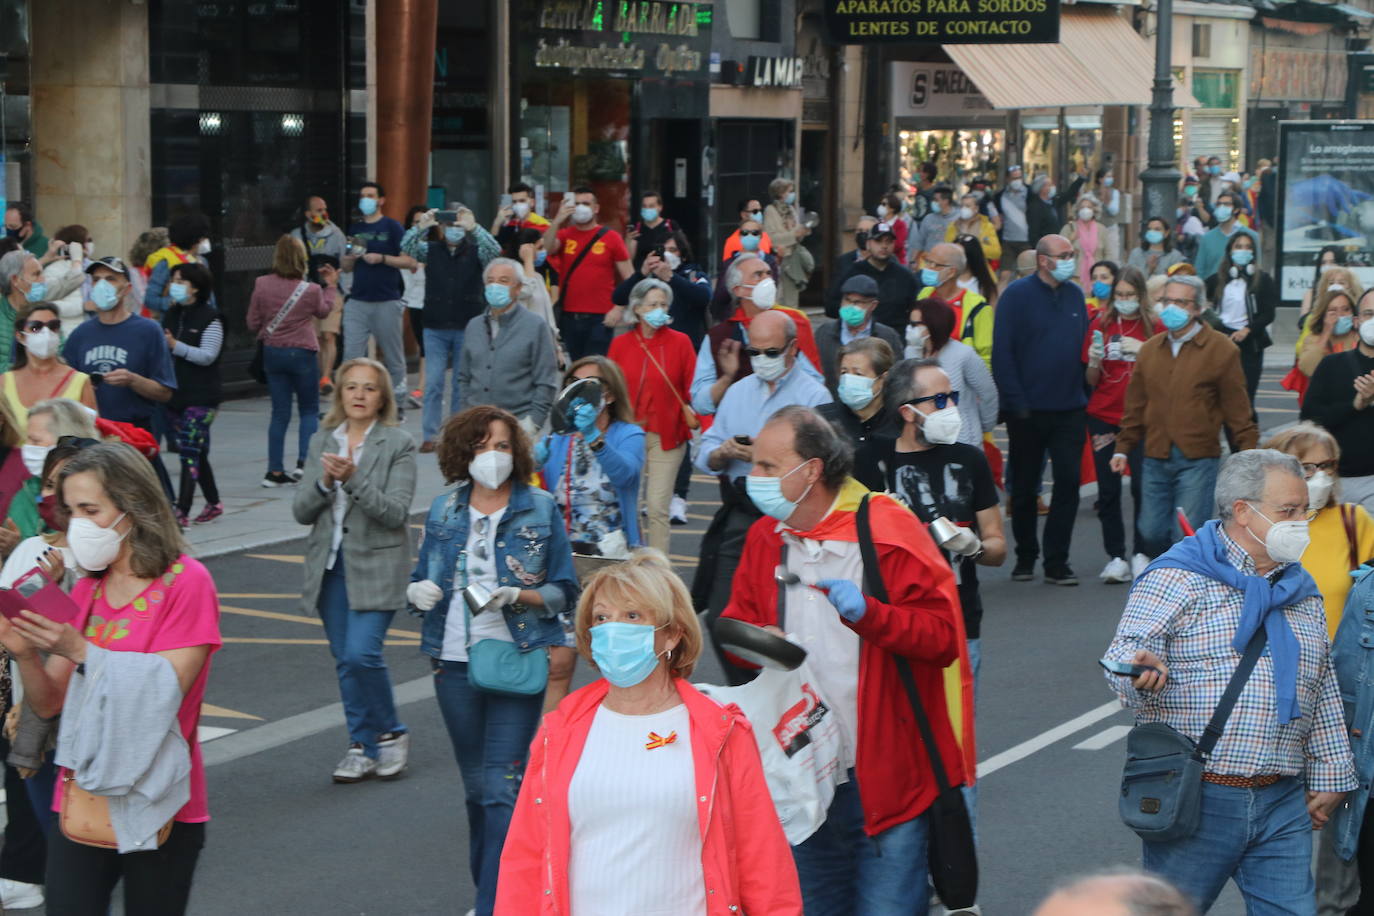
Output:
(1205, 554)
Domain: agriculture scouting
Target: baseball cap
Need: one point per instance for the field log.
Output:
(882, 229)
(860, 285)
(111, 262)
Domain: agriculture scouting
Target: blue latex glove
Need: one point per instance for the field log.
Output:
(541, 452)
(846, 597)
(584, 419)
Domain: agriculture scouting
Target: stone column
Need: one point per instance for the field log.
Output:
(91, 119)
(405, 99)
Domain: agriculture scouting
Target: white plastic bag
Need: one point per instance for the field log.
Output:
(799, 739)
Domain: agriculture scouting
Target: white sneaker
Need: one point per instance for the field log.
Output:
(677, 511)
(392, 753)
(1138, 564)
(16, 895)
(1116, 571)
(355, 766)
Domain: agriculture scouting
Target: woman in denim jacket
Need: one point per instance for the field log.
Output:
(495, 529)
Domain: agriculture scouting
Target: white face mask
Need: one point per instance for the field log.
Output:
(34, 455)
(672, 259)
(769, 368)
(521, 209)
(202, 249)
(1319, 488)
(94, 548)
(942, 427)
(1085, 213)
(765, 293)
(1367, 332)
(491, 469)
(1127, 307)
(582, 213)
(41, 344)
(966, 213)
(881, 210)
(1285, 542)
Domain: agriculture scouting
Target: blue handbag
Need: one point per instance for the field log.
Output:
(497, 666)
(1161, 785)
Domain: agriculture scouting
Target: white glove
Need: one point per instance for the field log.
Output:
(424, 594)
(529, 427)
(965, 543)
(501, 597)
(1130, 346)
(1096, 351)
(466, 220)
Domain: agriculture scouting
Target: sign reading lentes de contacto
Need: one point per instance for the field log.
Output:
(943, 21)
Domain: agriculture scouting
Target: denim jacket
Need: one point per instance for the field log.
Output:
(1352, 655)
(532, 551)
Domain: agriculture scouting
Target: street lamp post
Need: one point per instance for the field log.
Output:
(1160, 179)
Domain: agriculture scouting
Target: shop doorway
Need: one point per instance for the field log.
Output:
(749, 155)
(679, 144)
(960, 155)
(815, 165)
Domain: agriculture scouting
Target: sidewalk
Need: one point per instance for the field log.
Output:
(255, 516)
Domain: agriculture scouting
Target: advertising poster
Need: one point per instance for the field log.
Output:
(1326, 197)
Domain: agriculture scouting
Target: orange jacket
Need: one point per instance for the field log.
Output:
(744, 854)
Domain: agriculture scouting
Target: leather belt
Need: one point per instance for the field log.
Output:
(1242, 782)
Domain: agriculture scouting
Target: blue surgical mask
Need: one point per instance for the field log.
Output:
(855, 391)
(749, 242)
(1222, 212)
(37, 292)
(766, 493)
(1242, 256)
(1063, 269)
(1214, 169)
(648, 214)
(453, 234)
(624, 652)
(853, 315)
(104, 295)
(540, 257)
(1343, 325)
(791, 197)
(1101, 290)
(179, 292)
(656, 317)
(367, 205)
(930, 277)
(497, 294)
(1154, 236)
(1174, 317)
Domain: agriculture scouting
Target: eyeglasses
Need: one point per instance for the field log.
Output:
(771, 352)
(1287, 513)
(76, 442)
(926, 262)
(55, 326)
(943, 399)
(751, 232)
(1181, 303)
(1310, 468)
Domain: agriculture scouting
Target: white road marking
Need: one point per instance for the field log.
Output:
(211, 732)
(1103, 738)
(1045, 739)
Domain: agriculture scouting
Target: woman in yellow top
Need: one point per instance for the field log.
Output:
(38, 372)
(1333, 551)
(968, 221)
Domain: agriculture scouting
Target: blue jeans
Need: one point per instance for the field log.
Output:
(1169, 483)
(584, 334)
(491, 736)
(291, 371)
(443, 352)
(355, 639)
(844, 872)
(1261, 838)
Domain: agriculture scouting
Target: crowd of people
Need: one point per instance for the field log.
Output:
(571, 381)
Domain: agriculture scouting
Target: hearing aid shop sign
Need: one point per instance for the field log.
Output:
(922, 90)
(948, 22)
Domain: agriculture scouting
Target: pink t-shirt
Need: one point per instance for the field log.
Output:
(179, 609)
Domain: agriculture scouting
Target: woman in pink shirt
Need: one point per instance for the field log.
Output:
(141, 593)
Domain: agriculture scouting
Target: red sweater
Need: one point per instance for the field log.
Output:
(923, 623)
(297, 329)
(658, 407)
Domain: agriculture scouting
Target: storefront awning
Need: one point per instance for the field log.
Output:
(1099, 60)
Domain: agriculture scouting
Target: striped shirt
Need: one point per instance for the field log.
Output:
(1189, 620)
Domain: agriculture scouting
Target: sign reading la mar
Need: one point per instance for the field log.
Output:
(943, 21)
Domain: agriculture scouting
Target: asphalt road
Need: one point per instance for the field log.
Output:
(285, 839)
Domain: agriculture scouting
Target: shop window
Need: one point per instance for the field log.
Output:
(16, 133)
(577, 131)
(746, 18)
(1217, 88)
(1202, 39)
(959, 155)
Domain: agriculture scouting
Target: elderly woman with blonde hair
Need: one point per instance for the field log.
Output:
(641, 794)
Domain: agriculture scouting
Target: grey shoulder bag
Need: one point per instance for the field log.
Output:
(1161, 785)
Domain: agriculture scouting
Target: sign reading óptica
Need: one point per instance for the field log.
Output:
(943, 21)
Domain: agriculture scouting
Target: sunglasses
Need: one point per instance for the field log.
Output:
(771, 352)
(941, 400)
(751, 232)
(77, 442)
(55, 326)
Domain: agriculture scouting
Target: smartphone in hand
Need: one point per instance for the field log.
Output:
(1125, 669)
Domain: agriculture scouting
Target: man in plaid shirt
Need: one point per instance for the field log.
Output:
(1283, 762)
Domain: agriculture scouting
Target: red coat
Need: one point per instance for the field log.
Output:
(923, 623)
(744, 854)
(657, 404)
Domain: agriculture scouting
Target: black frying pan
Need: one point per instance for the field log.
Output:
(757, 645)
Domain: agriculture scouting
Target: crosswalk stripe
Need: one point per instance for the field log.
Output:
(1103, 738)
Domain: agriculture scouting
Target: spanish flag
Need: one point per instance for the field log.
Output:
(893, 525)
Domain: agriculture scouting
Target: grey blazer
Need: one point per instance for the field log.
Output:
(376, 547)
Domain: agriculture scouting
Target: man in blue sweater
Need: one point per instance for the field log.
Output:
(1212, 248)
(1037, 348)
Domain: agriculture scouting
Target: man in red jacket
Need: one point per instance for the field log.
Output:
(870, 856)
